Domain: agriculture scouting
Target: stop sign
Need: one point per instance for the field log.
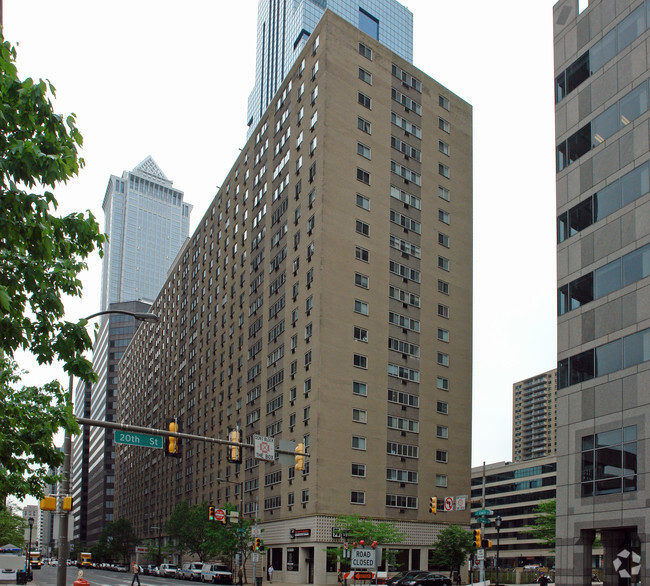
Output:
(219, 515)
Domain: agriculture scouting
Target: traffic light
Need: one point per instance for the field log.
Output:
(300, 459)
(67, 503)
(234, 452)
(173, 444)
(48, 503)
(486, 543)
(477, 537)
(210, 513)
(256, 547)
(433, 505)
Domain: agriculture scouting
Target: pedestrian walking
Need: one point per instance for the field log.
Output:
(271, 574)
(543, 580)
(241, 576)
(136, 574)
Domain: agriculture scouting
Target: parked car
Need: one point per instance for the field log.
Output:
(191, 571)
(149, 570)
(428, 579)
(402, 577)
(167, 570)
(216, 573)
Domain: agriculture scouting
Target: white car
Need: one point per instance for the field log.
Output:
(167, 570)
(191, 571)
(216, 573)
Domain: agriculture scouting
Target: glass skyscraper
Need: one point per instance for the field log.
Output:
(283, 27)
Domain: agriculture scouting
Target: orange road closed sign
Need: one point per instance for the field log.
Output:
(364, 575)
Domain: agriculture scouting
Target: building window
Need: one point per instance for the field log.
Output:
(358, 443)
(441, 456)
(443, 359)
(364, 100)
(363, 202)
(443, 287)
(363, 176)
(442, 431)
(364, 125)
(609, 462)
(361, 280)
(365, 75)
(362, 228)
(443, 335)
(363, 150)
(360, 389)
(304, 497)
(360, 361)
(365, 51)
(443, 263)
(441, 480)
(442, 383)
(443, 216)
(443, 240)
(359, 470)
(361, 253)
(307, 386)
(443, 102)
(443, 311)
(368, 24)
(443, 147)
(442, 407)
(359, 415)
(443, 170)
(358, 497)
(360, 334)
(443, 193)
(307, 359)
(443, 125)
(360, 307)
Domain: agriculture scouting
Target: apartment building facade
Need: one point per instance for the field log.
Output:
(534, 418)
(603, 253)
(325, 297)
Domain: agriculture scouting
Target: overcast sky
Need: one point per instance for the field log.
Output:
(171, 79)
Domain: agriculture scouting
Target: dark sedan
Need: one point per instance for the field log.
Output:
(427, 579)
(401, 578)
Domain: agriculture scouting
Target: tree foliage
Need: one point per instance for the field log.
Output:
(451, 548)
(543, 527)
(357, 529)
(12, 528)
(41, 256)
(116, 542)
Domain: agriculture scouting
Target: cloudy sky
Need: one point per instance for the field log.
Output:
(171, 79)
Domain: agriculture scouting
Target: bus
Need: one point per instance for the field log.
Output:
(35, 560)
(86, 559)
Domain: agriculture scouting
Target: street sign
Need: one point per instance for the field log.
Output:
(288, 446)
(461, 502)
(264, 448)
(219, 515)
(256, 531)
(256, 557)
(449, 503)
(138, 439)
(363, 558)
(141, 550)
(480, 554)
(482, 513)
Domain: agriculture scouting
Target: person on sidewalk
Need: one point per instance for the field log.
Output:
(136, 574)
(271, 574)
(241, 575)
(543, 580)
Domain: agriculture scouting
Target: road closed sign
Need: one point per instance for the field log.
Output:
(363, 558)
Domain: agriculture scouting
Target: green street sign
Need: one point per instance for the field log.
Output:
(138, 439)
(483, 513)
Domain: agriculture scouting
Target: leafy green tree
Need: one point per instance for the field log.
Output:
(451, 548)
(543, 527)
(357, 529)
(41, 256)
(12, 528)
(116, 542)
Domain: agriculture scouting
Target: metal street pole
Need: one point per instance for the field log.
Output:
(482, 561)
(497, 523)
(64, 516)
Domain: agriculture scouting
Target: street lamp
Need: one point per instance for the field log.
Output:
(67, 460)
(28, 560)
(497, 524)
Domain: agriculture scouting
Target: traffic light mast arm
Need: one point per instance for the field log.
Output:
(164, 432)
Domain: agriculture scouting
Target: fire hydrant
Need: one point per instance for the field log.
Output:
(81, 581)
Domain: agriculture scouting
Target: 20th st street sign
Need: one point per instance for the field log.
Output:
(138, 439)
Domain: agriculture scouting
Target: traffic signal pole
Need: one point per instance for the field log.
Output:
(482, 562)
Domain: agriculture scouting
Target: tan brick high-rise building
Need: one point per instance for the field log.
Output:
(325, 297)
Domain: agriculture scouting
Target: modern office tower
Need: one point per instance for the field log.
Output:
(513, 491)
(325, 298)
(534, 418)
(147, 222)
(603, 263)
(283, 29)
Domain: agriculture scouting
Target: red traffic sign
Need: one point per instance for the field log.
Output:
(449, 503)
(219, 515)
